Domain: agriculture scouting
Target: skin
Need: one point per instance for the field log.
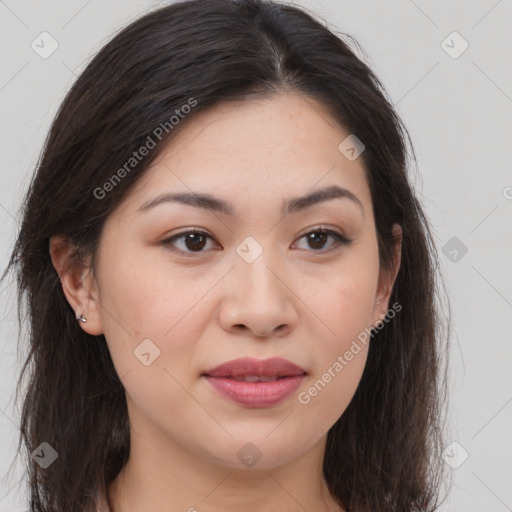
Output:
(304, 302)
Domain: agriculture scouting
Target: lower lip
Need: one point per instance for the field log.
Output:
(256, 394)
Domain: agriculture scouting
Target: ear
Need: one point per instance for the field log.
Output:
(78, 284)
(387, 279)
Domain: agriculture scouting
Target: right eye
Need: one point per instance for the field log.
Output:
(190, 241)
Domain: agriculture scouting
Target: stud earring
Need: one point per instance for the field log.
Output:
(82, 318)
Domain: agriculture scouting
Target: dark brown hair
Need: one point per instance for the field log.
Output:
(383, 453)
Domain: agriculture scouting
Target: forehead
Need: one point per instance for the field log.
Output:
(255, 151)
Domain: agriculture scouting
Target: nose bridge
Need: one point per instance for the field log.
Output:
(252, 266)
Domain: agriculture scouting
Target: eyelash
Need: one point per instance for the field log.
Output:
(340, 240)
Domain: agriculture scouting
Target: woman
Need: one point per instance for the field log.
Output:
(231, 285)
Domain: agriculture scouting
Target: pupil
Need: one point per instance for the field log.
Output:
(317, 237)
(194, 238)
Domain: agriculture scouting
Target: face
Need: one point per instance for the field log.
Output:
(263, 275)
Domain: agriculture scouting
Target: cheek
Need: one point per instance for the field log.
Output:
(341, 353)
(345, 308)
(150, 300)
(347, 301)
(140, 304)
(139, 294)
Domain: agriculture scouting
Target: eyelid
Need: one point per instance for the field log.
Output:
(323, 228)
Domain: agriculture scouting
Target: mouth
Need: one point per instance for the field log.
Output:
(257, 378)
(256, 383)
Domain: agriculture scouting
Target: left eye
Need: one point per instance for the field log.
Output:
(318, 238)
(195, 241)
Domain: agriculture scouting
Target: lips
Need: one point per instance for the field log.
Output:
(256, 383)
(275, 367)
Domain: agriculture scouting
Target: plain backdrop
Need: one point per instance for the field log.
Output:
(456, 103)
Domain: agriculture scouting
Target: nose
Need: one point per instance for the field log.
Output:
(259, 301)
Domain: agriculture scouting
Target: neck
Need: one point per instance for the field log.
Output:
(162, 476)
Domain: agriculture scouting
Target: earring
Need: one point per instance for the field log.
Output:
(82, 318)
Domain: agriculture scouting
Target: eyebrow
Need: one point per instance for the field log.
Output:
(213, 204)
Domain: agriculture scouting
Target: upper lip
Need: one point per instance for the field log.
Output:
(274, 366)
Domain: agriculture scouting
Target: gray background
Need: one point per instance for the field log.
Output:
(458, 111)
